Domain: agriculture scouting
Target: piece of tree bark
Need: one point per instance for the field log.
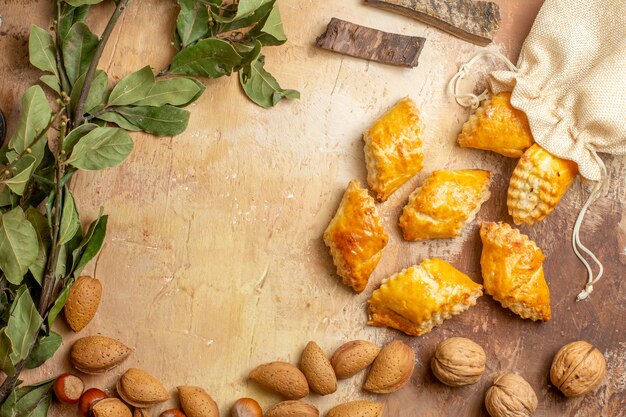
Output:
(372, 44)
(473, 21)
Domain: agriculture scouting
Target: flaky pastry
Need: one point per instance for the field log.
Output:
(421, 297)
(356, 237)
(538, 182)
(512, 269)
(497, 126)
(393, 149)
(444, 204)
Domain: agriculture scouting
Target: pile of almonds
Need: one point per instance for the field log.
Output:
(391, 369)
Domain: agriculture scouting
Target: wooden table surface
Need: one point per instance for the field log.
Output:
(214, 261)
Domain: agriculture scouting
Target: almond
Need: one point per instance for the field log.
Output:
(82, 302)
(352, 357)
(317, 369)
(196, 402)
(357, 408)
(392, 368)
(140, 389)
(292, 409)
(97, 354)
(141, 412)
(283, 378)
(110, 407)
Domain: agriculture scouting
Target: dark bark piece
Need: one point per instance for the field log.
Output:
(372, 44)
(472, 21)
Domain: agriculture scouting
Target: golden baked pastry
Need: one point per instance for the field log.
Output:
(393, 149)
(497, 126)
(512, 268)
(422, 297)
(356, 237)
(538, 182)
(444, 204)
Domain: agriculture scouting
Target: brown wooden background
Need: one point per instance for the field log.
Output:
(214, 261)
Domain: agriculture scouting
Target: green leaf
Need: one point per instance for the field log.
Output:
(261, 87)
(40, 223)
(132, 88)
(176, 91)
(44, 349)
(91, 244)
(69, 16)
(78, 50)
(23, 325)
(114, 117)
(237, 23)
(103, 147)
(34, 119)
(51, 81)
(70, 222)
(270, 31)
(160, 121)
(18, 245)
(248, 7)
(41, 50)
(24, 169)
(75, 135)
(98, 93)
(210, 58)
(60, 302)
(193, 21)
(32, 401)
(6, 348)
(77, 3)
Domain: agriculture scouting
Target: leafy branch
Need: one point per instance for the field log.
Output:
(43, 246)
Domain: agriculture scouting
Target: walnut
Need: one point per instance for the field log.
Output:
(511, 396)
(577, 369)
(458, 361)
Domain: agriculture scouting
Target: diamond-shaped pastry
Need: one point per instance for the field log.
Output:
(421, 297)
(512, 268)
(393, 149)
(497, 126)
(356, 237)
(538, 183)
(444, 204)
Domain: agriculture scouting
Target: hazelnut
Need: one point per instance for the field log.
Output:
(68, 388)
(577, 369)
(246, 407)
(458, 361)
(174, 412)
(89, 398)
(511, 396)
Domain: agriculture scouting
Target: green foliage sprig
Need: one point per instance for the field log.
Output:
(43, 246)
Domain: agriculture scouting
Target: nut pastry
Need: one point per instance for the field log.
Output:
(497, 126)
(444, 204)
(421, 297)
(538, 182)
(356, 237)
(393, 149)
(512, 268)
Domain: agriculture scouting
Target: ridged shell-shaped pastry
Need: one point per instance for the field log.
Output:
(421, 297)
(538, 182)
(497, 126)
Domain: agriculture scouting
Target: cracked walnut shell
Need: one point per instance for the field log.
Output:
(511, 396)
(458, 361)
(577, 369)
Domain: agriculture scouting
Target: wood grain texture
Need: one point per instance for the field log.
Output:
(214, 261)
(375, 45)
(473, 21)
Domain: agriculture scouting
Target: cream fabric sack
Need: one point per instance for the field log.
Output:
(570, 80)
